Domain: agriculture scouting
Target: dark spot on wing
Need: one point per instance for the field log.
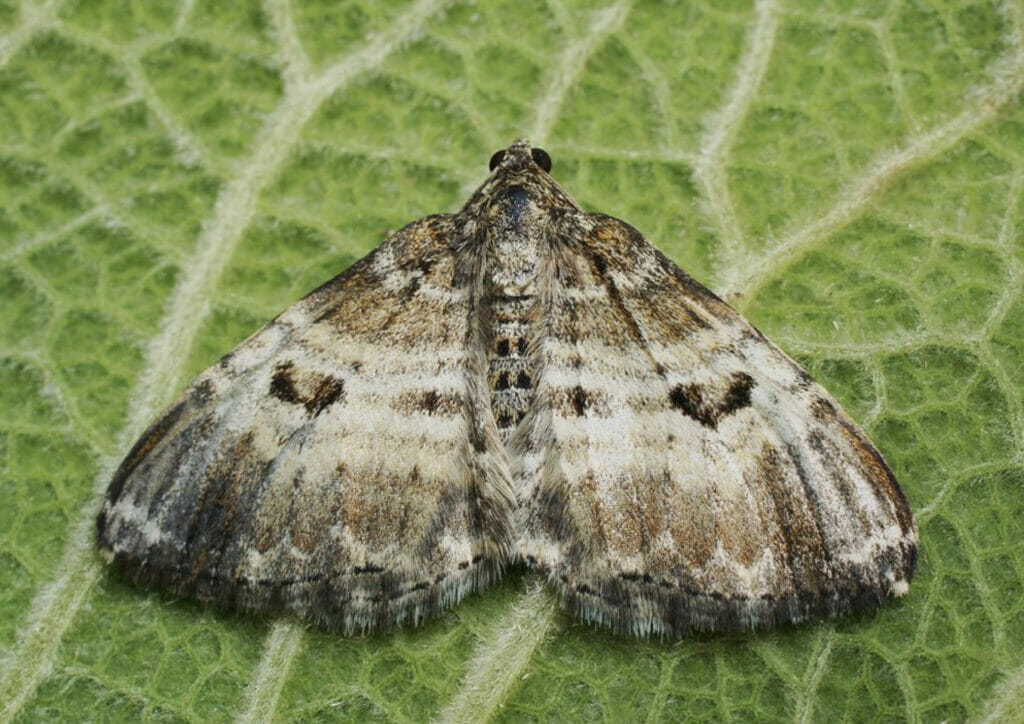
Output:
(523, 381)
(322, 391)
(429, 401)
(579, 400)
(738, 395)
(503, 348)
(689, 399)
(695, 401)
(328, 391)
(282, 384)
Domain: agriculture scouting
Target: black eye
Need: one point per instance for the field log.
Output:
(496, 159)
(541, 158)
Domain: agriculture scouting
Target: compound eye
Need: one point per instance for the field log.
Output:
(541, 158)
(497, 158)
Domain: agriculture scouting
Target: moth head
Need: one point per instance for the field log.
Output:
(518, 153)
(520, 185)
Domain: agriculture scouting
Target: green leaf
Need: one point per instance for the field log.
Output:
(172, 174)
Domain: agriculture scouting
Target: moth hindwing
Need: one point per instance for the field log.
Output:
(521, 381)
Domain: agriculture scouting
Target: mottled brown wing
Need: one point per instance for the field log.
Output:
(686, 475)
(338, 464)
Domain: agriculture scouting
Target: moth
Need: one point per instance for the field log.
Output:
(521, 382)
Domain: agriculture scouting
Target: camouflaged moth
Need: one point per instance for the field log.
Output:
(522, 382)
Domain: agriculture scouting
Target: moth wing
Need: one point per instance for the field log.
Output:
(685, 474)
(337, 464)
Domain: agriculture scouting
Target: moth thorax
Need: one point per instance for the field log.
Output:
(512, 282)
